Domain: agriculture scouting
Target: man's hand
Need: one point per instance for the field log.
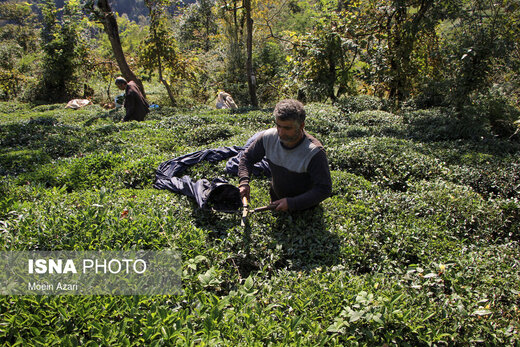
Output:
(245, 191)
(281, 205)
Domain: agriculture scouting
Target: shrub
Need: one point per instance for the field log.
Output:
(321, 126)
(11, 83)
(84, 172)
(441, 124)
(388, 162)
(510, 213)
(139, 174)
(47, 107)
(324, 111)
(348, 185)
(499, 112)
(492, 179)
(456, 207)
(94, 170)
(16, 162)
(431, 94)
(178, 120)
(60, 41)
(255, 119)
(358, 103)
(210, 133)
(13, 107)
(375, 118)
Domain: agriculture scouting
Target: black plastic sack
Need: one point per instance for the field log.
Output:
(218, 193)
(259, 169)
(174, 167)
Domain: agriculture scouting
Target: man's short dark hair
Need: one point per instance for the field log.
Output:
(290, 109)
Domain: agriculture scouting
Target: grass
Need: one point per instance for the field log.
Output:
(418, 244)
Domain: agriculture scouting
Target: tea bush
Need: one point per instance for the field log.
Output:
(439, 125)
(377, 118)
(494, 178)
(497, 109)
(388, 162)
(358, 103)
(458, 208)
(138, 174)
(418, 244)
(210, 133)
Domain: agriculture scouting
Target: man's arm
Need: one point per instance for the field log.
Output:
(250, 157)
(322, 184)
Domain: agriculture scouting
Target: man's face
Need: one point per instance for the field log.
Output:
(289, 131)
(121, 86)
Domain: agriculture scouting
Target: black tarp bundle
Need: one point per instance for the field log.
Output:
(217, 193)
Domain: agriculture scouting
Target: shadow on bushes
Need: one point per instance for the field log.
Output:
(26, 146)
(359, 103)
(493, 179)
(387, 161)
(218, 223)
(306, 241)
(302, 240)
(113, 114)
(437, 125)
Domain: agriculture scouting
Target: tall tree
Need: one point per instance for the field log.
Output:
(159, 51)
(483, 40)
(199, 25)
(251, 79)
(17, 21)
(232, 76)
(160, 42)
(60, 55)
(388, 34)
(323, 58)
(103, 13)
(406, 20)
(237, 15)
(19, 37)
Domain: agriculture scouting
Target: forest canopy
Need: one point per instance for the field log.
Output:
(448, 53)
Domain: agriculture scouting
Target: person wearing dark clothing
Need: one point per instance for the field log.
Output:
(298, 163)
(135, 104)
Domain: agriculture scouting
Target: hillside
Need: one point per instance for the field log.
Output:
(418, 244)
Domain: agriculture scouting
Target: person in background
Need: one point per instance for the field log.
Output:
(225, 101)
(298, 163)
(135, 104)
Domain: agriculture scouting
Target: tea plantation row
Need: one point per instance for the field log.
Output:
(418, 245)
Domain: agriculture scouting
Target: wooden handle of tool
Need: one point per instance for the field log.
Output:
(265, 208)
(245, 211)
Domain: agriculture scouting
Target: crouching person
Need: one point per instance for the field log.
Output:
(135, 104)
(298, 163)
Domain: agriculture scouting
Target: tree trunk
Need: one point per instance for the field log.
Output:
(251, 80)
(398, 47)
(166, 85)
(110, 25)
(332, 73)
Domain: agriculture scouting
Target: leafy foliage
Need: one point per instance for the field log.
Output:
(417, 245)
(159, 51)
(199, 25)
(19, 46)
(61, 48)
(354, 104)
(323, 59)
